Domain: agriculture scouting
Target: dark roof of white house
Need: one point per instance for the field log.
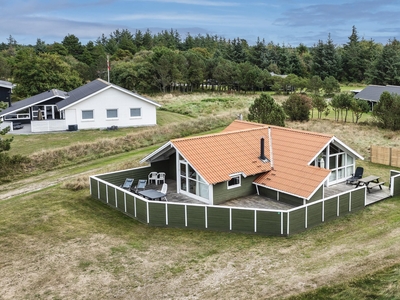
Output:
(34, 100)
(6, 84)
(91, 88)
(373, 92)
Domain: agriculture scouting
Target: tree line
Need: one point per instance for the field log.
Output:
(166, 62)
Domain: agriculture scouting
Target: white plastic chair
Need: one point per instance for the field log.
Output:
(164, 191)
(152, 177)
(160, 177)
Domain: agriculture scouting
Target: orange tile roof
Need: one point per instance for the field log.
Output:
(217, 156)
(237, 148)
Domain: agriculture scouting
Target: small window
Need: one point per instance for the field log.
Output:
(112, 113)
(234, 182)
(87, 114)
(136, 112)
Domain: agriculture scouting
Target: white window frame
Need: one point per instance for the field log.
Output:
(135, 117)
(234, 185)
(111, 109)
(87, 110)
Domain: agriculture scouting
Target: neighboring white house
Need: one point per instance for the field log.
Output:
(100, 104)
(95, 105)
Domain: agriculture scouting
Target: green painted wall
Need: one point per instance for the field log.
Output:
(141, 210)
(357, 200)
(94, 188)
(269, 223)
(196, 217)
(222, 193)
(130, 205)
(243, 220)
(102, 196)
(118, 178)
(344, 202)
(319, 194)
(218, 218)
(290, 199)
(167, 166)
(111, 196)
(176, 215)
(314, 215)
(120, 201)
(330, 209)
(396, 186)
(268, 193)
(297, 220)
(157, 213)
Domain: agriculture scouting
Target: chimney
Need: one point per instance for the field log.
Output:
(262, 154)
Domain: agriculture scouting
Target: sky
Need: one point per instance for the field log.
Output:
(284, 22)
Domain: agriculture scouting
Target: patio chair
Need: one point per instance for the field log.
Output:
(160, 178)
(164, 191)
(357, 175)
(152, 177)
(127, 183)
(141, 185)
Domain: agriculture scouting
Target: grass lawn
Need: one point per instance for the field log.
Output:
(39, 142)
(62, 244)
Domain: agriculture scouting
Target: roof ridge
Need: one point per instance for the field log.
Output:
(302, 131)
(253, 129)
(217, 134)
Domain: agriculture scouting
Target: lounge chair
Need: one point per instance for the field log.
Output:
(152, 177)
(141, 184)
(357, 175)
(127, 183)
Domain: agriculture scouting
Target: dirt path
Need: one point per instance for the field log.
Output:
(37, 183)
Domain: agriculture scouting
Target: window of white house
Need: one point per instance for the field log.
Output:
(234, 182)
(136, 112)
(87, 114)
(112, 113)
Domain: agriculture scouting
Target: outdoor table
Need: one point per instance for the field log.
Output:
(369, 182)
(152, 194)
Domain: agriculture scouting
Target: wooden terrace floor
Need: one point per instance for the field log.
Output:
(256, 201)
(253, 201)
(374, 196)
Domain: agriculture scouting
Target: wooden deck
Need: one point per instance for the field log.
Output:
(256, 201)
(252, 201)
(374, 196)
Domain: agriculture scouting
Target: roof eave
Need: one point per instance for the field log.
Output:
(155, 152)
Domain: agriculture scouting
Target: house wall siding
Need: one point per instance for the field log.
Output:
(290, 199)
(268, 193)
(319, 194)
(118, 178)
(222, 193)
(111, 99)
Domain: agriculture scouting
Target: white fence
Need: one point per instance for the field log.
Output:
(48, 125)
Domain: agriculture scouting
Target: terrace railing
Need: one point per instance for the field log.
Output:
(222, 218)
(394, 183)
